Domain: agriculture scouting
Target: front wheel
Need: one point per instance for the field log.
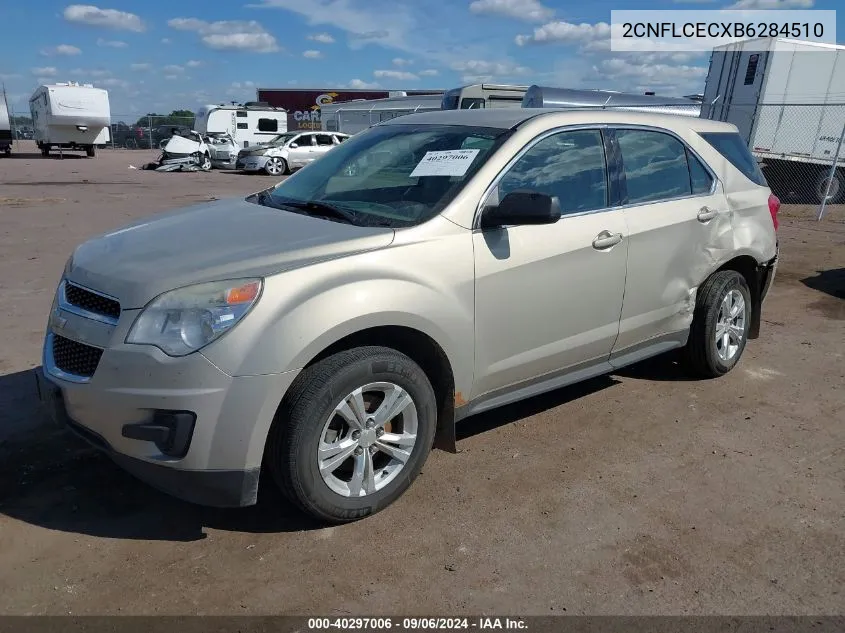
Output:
(276, 166)
(205, 162)
(91, 151)
(720, 324)
(353, 433)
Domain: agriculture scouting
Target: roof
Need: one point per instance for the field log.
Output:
(506, 118)
(773, 41)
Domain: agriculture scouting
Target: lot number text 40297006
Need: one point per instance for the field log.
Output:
(417, 624)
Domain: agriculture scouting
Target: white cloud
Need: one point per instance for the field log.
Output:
(113, 83)
(648, 72)
(567, 33)
(193, 63)
(323, 38)
(89, 72)
(761, 5)
(240, 35)
(173, 77)
(65, 50)
(172, 69)
(9, 76)
(45, 71)
(400, 61)
(243, 84)
(312, 54)
(399, 75)
(106, 18)
(527, 10)
(475, 70)
(111, 43)
(140, 66)
(360, 84)
(430, 72)
(165, 40)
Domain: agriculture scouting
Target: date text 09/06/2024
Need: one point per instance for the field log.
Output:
(417, 624)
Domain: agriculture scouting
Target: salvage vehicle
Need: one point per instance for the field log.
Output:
(327, 332)
(183, 153)
(288, 151)
(223, 150)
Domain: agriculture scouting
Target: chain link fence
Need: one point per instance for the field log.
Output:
(799, 146)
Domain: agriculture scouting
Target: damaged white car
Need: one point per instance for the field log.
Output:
(287, 152)
(183, 153)
(223, 150)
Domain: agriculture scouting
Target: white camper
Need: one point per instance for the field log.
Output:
(484, 96)
(249, 124)
(69, 116)
(786, 97)
(568, 98)
(351, 117)
(5, 127)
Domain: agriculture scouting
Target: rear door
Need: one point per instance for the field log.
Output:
(324, 144)
(678, 224)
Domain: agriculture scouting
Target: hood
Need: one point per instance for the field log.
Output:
(226, 239)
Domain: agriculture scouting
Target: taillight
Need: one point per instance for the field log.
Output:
(774, 207)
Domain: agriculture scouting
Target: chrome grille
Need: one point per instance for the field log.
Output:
(91, 301)
(75, 358)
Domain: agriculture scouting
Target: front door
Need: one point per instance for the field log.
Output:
(548, 298)
(303, 153)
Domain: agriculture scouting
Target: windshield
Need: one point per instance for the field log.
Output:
(281, 139)
(392, 175)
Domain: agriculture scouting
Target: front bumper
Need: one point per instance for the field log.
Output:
(134, 387)
(251, 163)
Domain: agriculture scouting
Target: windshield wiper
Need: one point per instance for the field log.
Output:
(321, 209)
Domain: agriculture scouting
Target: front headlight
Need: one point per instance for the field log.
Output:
(184, 320)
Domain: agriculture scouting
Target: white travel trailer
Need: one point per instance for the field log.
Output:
(483, 96)
(249, 124)
(785, 96)
(351, 117)
(69, 116)
(5, 127)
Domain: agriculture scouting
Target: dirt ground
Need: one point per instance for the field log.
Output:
(638, 493)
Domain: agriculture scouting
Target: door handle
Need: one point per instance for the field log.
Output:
(706, 214)
(606, 239)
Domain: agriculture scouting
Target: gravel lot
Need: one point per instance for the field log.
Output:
(638, 493)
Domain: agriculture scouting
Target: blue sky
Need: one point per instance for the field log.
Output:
(159, 56)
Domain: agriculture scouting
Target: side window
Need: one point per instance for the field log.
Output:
(324, 139)
(268, 125)
(243, 126)
(338, 139)
(569, 165)
(731, 146)
(699, 177)
(242, 114)
(306, 140)
(472, 104)
(655, 165)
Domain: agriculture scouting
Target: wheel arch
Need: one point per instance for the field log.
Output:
(425, 351)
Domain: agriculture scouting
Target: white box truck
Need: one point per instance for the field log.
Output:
(787, 97)
(249, 124)
(69, 116)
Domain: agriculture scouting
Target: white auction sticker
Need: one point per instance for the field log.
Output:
(453, 162)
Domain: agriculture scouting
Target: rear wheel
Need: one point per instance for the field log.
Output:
(45, 150)
(353, 433)
(276, 166)
(91, 151)
(836, 192)
(720, 324)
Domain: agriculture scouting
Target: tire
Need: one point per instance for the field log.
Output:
(837, 186)
(308, 416)
(276, 166)
(91, 152)
(205, 162)
(45, 150)
(706, 354)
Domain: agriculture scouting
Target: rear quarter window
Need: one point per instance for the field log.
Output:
(731, 146)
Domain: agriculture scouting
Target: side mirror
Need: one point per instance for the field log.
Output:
(293, 145)
(522, 207)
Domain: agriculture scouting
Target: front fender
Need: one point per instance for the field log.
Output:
(282, 336)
